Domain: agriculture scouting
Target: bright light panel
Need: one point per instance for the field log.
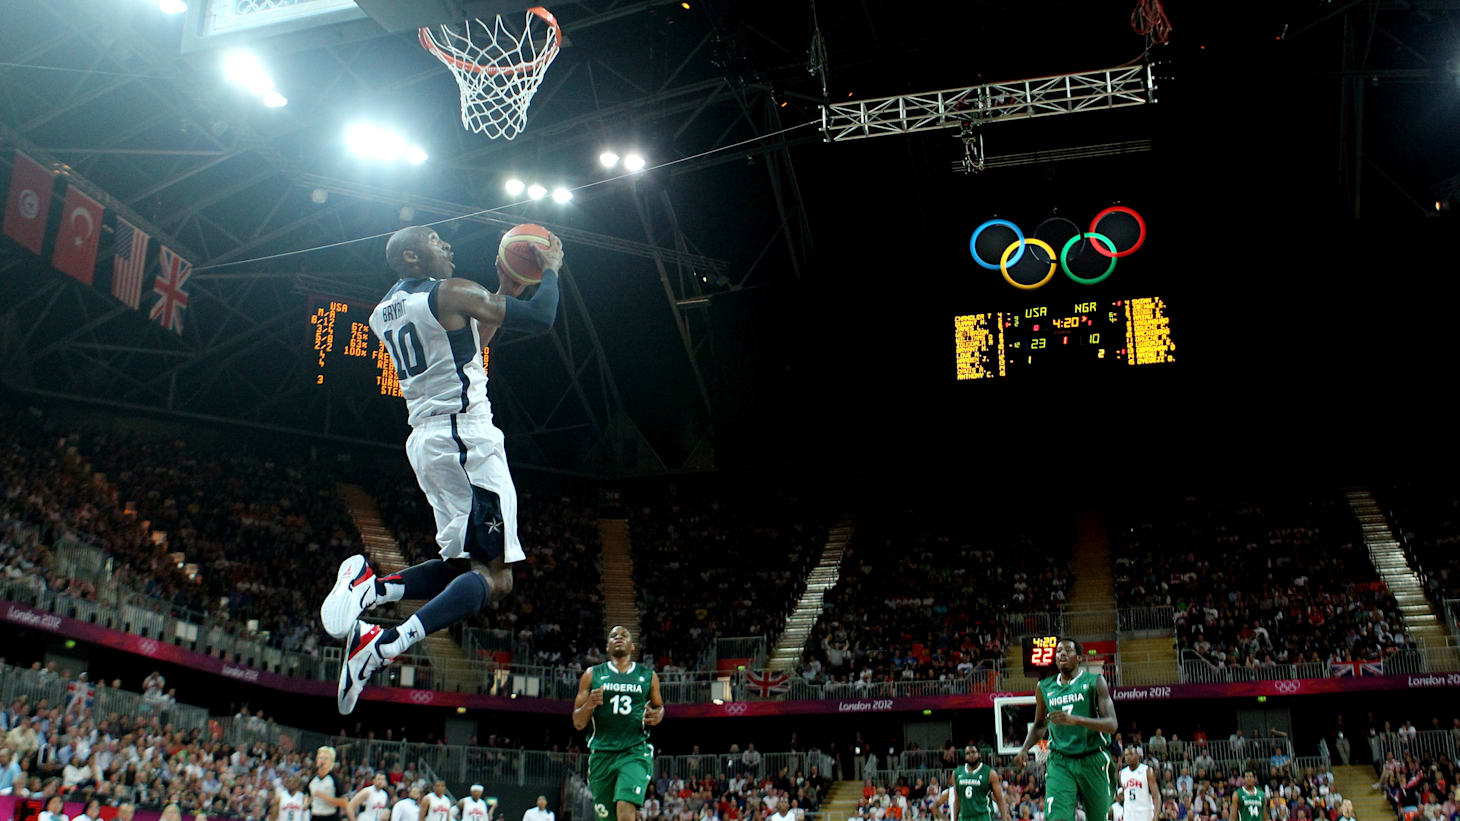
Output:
(634, 162)
(536, 191)
(275, 100)
(172, 6)
(608, 159)
(415, 155)
(561, 195)
(515, 186)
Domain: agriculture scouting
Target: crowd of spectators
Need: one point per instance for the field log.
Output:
(1257, 583)
(743, 791)
(714, 558)
(555, 612)
(1416, 768)
(921, 600)
(1426, 515)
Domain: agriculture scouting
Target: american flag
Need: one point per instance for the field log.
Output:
(129, 263)
(171, 289)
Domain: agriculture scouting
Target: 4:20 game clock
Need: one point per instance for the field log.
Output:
(1039, 654)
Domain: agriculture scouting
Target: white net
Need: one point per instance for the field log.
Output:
(497, 66)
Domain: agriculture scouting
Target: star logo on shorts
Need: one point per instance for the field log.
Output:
(494, 526)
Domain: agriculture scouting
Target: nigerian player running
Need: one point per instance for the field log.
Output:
(1075, 706)
(1249, 802)
(971, 787)
(620, 699)
(434, 326)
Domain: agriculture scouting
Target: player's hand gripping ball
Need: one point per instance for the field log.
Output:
(526, 250)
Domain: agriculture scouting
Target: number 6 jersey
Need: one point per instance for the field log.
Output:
(618, 723)
(440, 371)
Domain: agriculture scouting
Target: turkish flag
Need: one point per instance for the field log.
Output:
(28, 205)
(77, 237)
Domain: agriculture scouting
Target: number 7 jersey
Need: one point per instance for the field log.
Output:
(440, 371)
(618, 723)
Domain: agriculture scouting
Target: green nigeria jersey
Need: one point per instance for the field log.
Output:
(618, 723)
(1077, 698)
(972, 789)
(1250, 805)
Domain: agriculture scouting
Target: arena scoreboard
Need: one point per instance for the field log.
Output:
(1039, 654)
(1063, 338)
(347, 355)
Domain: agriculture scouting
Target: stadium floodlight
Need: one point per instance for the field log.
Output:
(536, 191)
(415, 155)
(561, 195)
(242, 68)
(515, 186)
(172, 6)
(376, 143)
(608, 159)
(275, 100)
(634, 163)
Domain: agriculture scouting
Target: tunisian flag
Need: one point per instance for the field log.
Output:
(28, 205)
(77, 237)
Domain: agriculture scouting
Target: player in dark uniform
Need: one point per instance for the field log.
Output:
(972, 786)
(620, 700)
(1076, 708)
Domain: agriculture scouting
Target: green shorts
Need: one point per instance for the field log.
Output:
(1086, 778)
(619, 775)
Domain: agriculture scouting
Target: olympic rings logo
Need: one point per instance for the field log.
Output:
(1015, 250)
(1289, 686)
(422, 696)
(735, 708)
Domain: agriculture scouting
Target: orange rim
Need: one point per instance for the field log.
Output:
(424, 35)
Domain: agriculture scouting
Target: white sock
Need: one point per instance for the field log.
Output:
(409, 632)
(392, 591)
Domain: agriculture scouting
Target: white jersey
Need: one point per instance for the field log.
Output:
(440, 371)
(473, 809)
(405, 810)
(437, 807)
(1135, 793)
(375, 805)
(291, 805)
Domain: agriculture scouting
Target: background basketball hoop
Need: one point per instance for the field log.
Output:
(497, 66)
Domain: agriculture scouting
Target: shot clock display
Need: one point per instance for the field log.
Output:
(1039, 654)
(347, 354)
(1054, 338)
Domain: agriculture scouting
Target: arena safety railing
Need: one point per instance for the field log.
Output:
(1429, 744)
(36, 686)
(1093, 624)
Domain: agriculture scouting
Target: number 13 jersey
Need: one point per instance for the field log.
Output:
(440, 371)
(618, 723)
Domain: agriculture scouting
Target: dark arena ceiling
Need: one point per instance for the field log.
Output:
(765, 292)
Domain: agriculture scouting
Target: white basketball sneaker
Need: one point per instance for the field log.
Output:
(362, 660)
(354, 591)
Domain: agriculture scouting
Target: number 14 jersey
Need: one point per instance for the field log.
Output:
(618, 723)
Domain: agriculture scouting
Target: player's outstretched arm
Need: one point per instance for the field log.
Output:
(350, 808)
(1036, 730)
(998, 785)
(654, 713)
(586, 701)
(468, 299)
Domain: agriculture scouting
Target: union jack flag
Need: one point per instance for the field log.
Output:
(1356, 668)
(171, 288)
(765, 683)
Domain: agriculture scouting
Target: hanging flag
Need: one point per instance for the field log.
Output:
(28, 205)
(171, 288)
(77, 237)
(128, 263)
(764, 683)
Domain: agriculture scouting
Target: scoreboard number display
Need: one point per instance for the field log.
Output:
(1093, 335)
(347, 354)
(1039, 654)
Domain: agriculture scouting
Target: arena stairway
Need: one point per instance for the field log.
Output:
(1355, 783)
(841, 800)
(1420, 619)
(620, 597)
(385, 556)
(792, 641)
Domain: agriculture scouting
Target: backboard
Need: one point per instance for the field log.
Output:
(228, 23)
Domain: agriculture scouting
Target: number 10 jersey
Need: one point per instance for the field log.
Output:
(440, 371)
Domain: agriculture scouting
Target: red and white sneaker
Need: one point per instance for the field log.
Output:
(362, 660)
(354, 591)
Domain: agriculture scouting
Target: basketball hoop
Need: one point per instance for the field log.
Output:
(498, 70)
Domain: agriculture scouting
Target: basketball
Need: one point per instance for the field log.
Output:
(515, 257)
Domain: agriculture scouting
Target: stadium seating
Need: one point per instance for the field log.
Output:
(1427, 515)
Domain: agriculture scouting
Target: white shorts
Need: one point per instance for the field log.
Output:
(1139, 814)
(455, 458)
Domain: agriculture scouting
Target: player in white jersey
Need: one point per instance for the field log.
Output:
(434, 326)
(408, 809)
(372, 801)
(289, 801)
(1139, 793)
(474, 807)
(437, 807)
